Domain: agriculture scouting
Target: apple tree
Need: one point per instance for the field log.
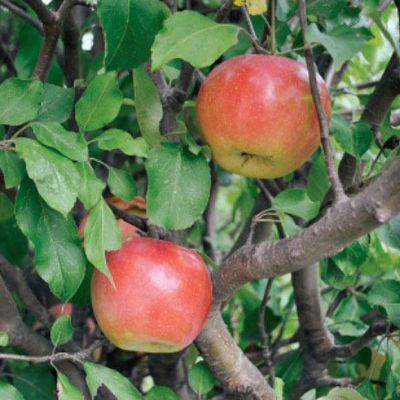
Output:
(111, 132)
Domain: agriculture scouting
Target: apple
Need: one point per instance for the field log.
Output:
(128, 231)
(161, 297)
(59, 309)
(257, 114)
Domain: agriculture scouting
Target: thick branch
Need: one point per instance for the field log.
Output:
(315, 338)
(340, 226)
(228, 362)
(70, 36)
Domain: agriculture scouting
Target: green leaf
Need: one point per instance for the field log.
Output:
(366, 389)
(101, 234)
(62, 330)
(6, 207)
(3, 339)
(289, 370)
(393, 311)
(57, 104)
(119, 139)
(120, 387)
(179, 186)
(201, 379)
(130, 27)
(148, 107)
(335, 277)
(90, 186)
(100, 102)
(41, 382)
(66, 390)
(70, 144)
(347, 318)
(327, 9)
(13, 243)
(190, 36)
(121, 184)
(296, 202)
(342, 42)
(55, 176)
(317, 180)
(13, 168)
(343, 394)
(278, 387)
(384, 292)
(9, 392)
(161, 393)
(59, 258)
(362, 138)
(343, 132)
(19, 100)
(390, 233)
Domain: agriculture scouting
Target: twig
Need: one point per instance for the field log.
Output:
(45, 15)
(377, 19)
(322, 117)
(51, 358)
(379, 327)
(210, 217)
(257, 47)
(272, 17)
(21, 13)
(266, 339)
(265, 190)
(249, 24)
(129, 218)
(16, 277)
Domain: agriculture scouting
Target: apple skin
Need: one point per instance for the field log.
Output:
(257, 114)
(128, 231)
(161, 298)
(59, 309)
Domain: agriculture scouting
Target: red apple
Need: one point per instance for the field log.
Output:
(257, 114)
(60, 309)
(161, 298)
(128, 231)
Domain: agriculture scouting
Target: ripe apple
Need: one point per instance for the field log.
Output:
(128, 231)
(257, 114)
(161, 298)
(59, 309)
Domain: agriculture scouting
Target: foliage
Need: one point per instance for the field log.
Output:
(115, 116)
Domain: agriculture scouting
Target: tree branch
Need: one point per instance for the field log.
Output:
(265, 340)
(340, 226)
(228, 362)
(16, 277)
(379, 327)
(314, 337)
(21, 13)
(322, 117)
(29, 341)
(56, 357)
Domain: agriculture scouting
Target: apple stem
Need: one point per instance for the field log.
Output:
(273, 38)
(252, 33)
(337, 187)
